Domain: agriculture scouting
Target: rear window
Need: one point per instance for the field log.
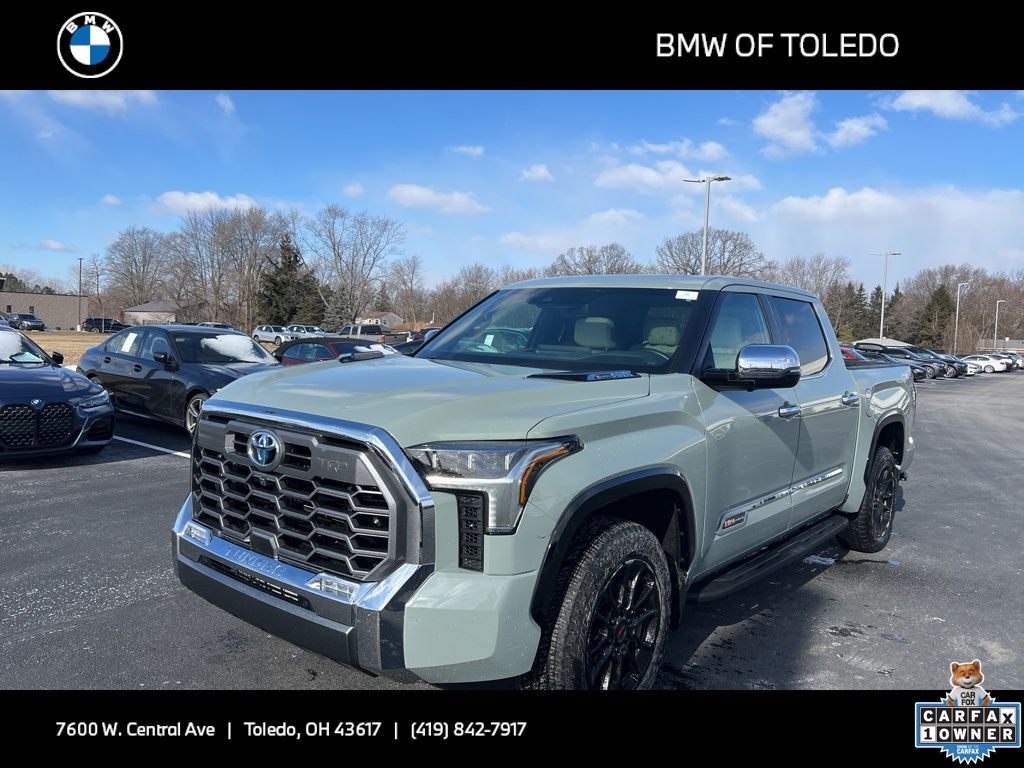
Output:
(799, 328)
(371, 329)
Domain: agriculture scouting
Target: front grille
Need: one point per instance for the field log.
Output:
(24, 427)
(322, 507)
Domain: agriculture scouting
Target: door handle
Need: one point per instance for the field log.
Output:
(137, 368)
(850, 398)
(788, 411)
(106, 359)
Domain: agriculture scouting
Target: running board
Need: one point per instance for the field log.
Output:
(748, 571)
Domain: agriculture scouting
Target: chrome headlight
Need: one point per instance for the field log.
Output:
(96, 401)
(504, 471)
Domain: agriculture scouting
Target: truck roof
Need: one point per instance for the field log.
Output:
(679, 282)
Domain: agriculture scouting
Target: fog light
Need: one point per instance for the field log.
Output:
(198, 532)
(327, 583)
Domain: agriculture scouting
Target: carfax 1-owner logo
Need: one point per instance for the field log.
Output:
(968, 723)
(89, 44)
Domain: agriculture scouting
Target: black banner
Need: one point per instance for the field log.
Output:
(340, 46)
(876, 725)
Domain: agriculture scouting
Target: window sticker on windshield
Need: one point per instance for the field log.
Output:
(686, 295)
(489, 340)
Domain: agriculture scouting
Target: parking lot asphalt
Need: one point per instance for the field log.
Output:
(88, 597)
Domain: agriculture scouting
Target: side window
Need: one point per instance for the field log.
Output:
(371, 330)
(346, 331)
(126, 343)
(740, 322)
(154, 344)
(799, 328)
(299, 353)
(322, 352)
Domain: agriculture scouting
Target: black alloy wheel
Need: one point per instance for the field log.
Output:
(624, 628)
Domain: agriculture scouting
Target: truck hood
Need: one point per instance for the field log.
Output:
(419, 400)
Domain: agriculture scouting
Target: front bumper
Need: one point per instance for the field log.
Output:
(359, 624)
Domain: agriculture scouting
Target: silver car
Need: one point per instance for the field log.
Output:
(305, 331)
(276, 334)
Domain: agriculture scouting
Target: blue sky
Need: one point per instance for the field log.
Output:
(516, 177)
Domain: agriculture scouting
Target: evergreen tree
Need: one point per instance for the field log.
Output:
(875, 309)
(382, 301)
(336, 314)
(861, 323)
(289, 291)
(933, 319)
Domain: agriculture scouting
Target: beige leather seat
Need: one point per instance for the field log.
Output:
(663, 338)
(595, 332)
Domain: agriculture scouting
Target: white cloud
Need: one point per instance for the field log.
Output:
(953, 105)
(182, 202)
(545, 242)
(416, 196)
(787, 124)
(930, 226)
(110, 200)
(355, 189)
(471, 150)
(105, 101)
(663, 175)
(227, 106)
(854, 130)
(536, 172)
(615, 217)
(728, 122)
(667, 176)
(736, 208)
(54, 245)
(707, 151)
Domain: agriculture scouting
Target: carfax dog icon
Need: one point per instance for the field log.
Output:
(968, 724)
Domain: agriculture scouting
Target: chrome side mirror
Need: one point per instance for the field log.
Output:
(768, 365)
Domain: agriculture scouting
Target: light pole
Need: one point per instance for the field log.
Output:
(707, 209)
(79, 293)
(995, 331)
(956, 325)
(885, 279)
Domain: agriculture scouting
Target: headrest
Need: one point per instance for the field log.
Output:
(664, 336)
(595, 332)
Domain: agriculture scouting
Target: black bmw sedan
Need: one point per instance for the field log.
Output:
(45, 408)
(165, 372)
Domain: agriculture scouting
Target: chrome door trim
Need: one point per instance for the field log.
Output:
(743, 510)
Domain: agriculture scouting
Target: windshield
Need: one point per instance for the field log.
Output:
(220, 348)
(570, 328)
(15, 349)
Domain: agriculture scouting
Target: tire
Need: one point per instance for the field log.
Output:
(929, 372)
(951, 372)
(192, 410)
(614, 598)
(277, 341)
(989, 369)
(94, 329)
(256, 338)
(869, 531)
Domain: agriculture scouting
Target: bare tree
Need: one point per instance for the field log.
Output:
(351, 252)
(729, 253)
(462, 290)
(508, 274)
(136, 263)
(816, 274)
(94, 282)
(591, 260)
(405, 278)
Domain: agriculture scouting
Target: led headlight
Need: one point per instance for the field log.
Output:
(95, 401)
(504, 471)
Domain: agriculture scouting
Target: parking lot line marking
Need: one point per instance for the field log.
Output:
(152, 447)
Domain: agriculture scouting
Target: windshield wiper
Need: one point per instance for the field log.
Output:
(585, 375)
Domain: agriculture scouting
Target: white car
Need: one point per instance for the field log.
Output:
(305, 331)
(988, 363)
(276, 334)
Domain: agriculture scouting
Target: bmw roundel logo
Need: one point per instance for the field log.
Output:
(36, 403)
(89, 44)
(264, 449)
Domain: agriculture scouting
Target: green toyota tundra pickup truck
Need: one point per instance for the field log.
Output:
(541, 488)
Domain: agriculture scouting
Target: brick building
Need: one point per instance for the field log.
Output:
(57, 310)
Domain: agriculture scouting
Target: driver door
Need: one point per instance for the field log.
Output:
(154, 382)
(751, 440)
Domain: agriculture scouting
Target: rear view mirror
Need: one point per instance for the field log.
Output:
(768, 365)
(161, 357)
(57, 358)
